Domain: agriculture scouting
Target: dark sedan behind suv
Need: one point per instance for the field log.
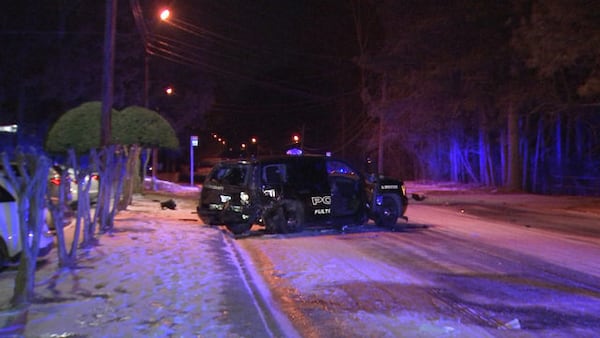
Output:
(286, 193)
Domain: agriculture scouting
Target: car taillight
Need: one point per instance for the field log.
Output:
(95, 177)
(55, 180)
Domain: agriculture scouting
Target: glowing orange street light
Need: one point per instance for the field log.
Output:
(254, 140)
(165, 14)
(296, 138)
(169, 90)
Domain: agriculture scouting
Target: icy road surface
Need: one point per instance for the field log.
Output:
(467, 264)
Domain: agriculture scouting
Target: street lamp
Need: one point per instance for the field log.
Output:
(165, 14)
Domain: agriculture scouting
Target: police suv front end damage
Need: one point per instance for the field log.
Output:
(287, 193)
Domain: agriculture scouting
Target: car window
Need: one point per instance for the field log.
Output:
(230, 175)
(274, 174)
(339, 168)
(309, 174)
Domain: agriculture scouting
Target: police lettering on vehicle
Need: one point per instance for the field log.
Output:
(269, 193)
(389, 186)
(322, 211)
(316, 200)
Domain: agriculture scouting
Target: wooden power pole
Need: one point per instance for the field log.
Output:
(108, 71)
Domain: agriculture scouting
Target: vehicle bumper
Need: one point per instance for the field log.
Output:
(227, 214)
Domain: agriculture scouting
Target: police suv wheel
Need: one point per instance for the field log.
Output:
(294, 216)
(238, 229)
(274, 219)
(285, 217)
(387, 215)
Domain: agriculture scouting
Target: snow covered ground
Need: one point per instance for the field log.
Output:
(155, 276)
(163, 273)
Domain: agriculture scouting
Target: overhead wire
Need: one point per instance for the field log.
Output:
(174, 56)
(260, 16)
(182, 51)
(190, 54)
(249, 50)
(177, 53)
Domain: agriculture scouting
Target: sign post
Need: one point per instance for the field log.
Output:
(193, 143)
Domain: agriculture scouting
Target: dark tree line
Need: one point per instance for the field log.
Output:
(496, 93)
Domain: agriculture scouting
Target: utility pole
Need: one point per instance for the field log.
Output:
(382, 114)
(108, 72)
(380, 146)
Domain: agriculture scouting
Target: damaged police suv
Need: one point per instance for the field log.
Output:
(285, 194)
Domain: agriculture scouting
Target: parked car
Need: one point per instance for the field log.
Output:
(54, 178)
(10, 239)
(53, 194)
(286, 193)
(94, 180)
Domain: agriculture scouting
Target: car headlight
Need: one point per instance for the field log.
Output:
(379, 200)
(244, 197)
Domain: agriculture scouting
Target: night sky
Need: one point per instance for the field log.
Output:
(278, 67)
(241, 69)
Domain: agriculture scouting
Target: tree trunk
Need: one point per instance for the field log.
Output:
(154, 168)
(525, 163)
(131, 176)
(380, 146)
(111, 178)
(57, 210)
(31, 193)
(147, 155)
(82, 215)
(558, 159)
(514, 160)
(483, 172)
(123, 200)
(454, 160)
(137, 174)
(536, 156)
(503, 156)
(120, 168)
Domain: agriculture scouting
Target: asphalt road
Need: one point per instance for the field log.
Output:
(467, 268)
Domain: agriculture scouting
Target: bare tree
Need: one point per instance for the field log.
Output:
(30, 182)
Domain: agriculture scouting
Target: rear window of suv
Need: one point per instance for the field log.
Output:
(229, 174)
